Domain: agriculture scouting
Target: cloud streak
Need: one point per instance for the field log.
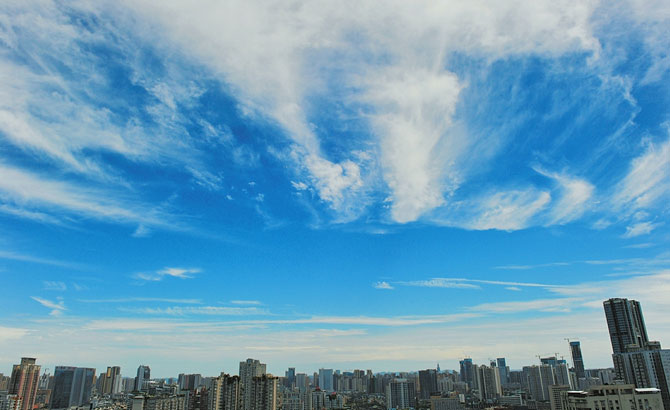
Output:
(159, 275)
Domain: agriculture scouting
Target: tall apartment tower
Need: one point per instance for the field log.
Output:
(626, 325)
(24, 382)
(264, 392)
(503, 370)
(467, 371)
(226, 393)
(248, 370)
(72, 387)
(111, 383)
(326, 380)
(400, 394)
(577, 359)
(427, 383)
(143, 375)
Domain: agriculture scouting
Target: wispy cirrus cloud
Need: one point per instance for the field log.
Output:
(199, 310)
(23, 257)
(168, 272)
(246, 302)
(57, 308)
(142, 299)
(54, 285)
(640, 228)
(382, 285)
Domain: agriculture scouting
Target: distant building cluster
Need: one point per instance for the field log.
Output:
(638, 380)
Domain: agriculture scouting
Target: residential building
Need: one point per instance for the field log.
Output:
(625, 324)
(226, 393)
(621, 397)
(326, 380)
(111, 381)
(24, 382)
(72, 387)
(248, 370)
(143, 375)
(400, 394)
(577, 359)
(427, 383)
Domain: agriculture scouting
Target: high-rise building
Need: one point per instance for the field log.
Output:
(467, 372)
(626, 325)
(72, 387)
(290, 377)
(503, 370)
(577, 359)
(189, 381)
(264, 392)
(400, 394)
(25, 382)
(326, 380)
(488, 383)
(248, 370)
(301, 381)
(427, 383)
(143, 375)
(226, 393)
(111, 381)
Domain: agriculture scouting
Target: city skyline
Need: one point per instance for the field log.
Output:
(322, 185)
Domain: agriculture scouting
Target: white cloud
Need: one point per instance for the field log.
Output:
(199, 310)
(647, 181)
(441, 283)
(12, 333)
(35, 259)
(181, 273)
(382, 285)
(541, 305)
(274, 57)
(573, 199)
(504, 210)
(29, 189)
(640, 228)
(54, 285)
(246, 302)
(57, 308)
(142, 299)
(299, 186)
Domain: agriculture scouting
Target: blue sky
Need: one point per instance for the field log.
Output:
(377, 185)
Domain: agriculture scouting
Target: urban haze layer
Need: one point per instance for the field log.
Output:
(639, 379)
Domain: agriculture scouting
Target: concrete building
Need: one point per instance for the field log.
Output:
(625, 324)
(143, 376)
(25, 382)
(264, 393)
(321, 400)
(226, 393)
(622, 397)
(111, 381)
(427, 383)
(503, 370)
(163, 402)
(326, 380)
(9, 401)
(467, 372)
(72, 387)
(445, 403)
(248, 370)
(400, 394)
(488, 383)
(555, 395)
(577, 359)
